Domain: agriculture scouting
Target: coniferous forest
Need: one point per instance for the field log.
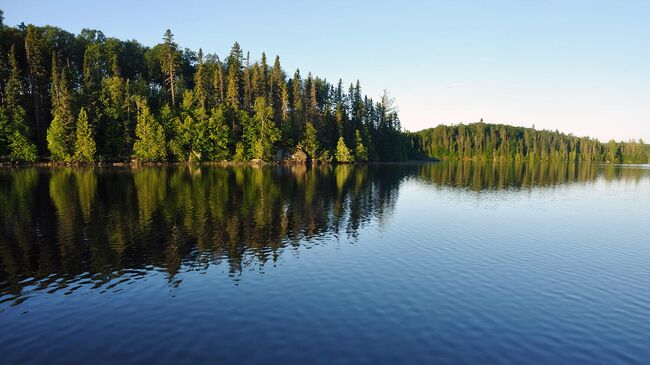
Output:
(87, 98)
(483, 141)
(91, 98)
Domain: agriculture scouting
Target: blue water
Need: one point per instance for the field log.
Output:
(435, 263)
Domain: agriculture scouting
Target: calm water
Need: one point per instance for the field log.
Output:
(446, 263)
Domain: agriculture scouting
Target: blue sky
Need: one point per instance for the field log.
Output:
(582, 67)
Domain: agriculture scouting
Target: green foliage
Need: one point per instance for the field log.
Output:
(226, 103)
(189, 132)
(20, 147)
(57, 135)
(342, 152)
(482, 141)
(360, 152)
(169, 62)
(260, 133)
(5, 132)
(14, 131)
(84, 147)
(218, 135)
(240, 153)
(115, 129)
(150, 137)
(60, 134)
(325, 157)
(310, 141)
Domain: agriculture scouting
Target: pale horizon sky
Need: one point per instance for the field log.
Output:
(581, 67)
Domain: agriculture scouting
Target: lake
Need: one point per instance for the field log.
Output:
(466, 262)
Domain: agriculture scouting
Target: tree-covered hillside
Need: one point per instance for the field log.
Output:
(503, 142)
(89, 97)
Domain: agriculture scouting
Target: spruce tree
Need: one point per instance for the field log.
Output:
(37, 79)
(218, 135)
(20, 147)
(202, 83)
(310, 141)
(169, 62)
(150, 136)
(60, 134)
(342, 152)
(268, 133)
(360, 152)
(84, 146)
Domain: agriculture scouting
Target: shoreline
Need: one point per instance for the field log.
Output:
(259, 163)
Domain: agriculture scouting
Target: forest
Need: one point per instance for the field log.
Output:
(484, 141)
(88, 98)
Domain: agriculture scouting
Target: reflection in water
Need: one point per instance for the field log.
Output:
(500, 175)
(72, 224)
(63, 228)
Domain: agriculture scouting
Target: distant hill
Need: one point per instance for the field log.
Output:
(505, 142)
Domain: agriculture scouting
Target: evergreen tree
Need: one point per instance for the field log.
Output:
(342, 152)
(235, 77)
(360, 152)
(219, 83)
(260, 133)
(16, 131)
(84, 147)
(188, 131)
(310, 142)
(150, 136)
(60, 134)
(37, 79)
(202, 83)
(115, 129)
(218, 135)
(93, 74)
(169, 60)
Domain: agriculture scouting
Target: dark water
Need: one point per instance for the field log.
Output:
(444, 263)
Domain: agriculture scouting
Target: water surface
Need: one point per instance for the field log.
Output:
(445, 262)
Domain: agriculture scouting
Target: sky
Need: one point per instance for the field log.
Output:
(581, 67)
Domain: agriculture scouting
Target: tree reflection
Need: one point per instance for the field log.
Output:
(63, 224)
(102, 225)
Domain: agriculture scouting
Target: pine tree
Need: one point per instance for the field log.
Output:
(342, 152)
(277, 86)
(84, 146)
(169, 62)
(93, 74)
(187, 130)
(60, 134)
(202, 83)
(15, 129)
(260, 133)
(114, 131)
(218, 135)
(22, 149)
(360, 152)
(219, 82)
(310, 141)
(297, 111)
(37, 79)
(235, 77)
(248, 90)
(13, 88)
(264, 78)
(150, 136)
